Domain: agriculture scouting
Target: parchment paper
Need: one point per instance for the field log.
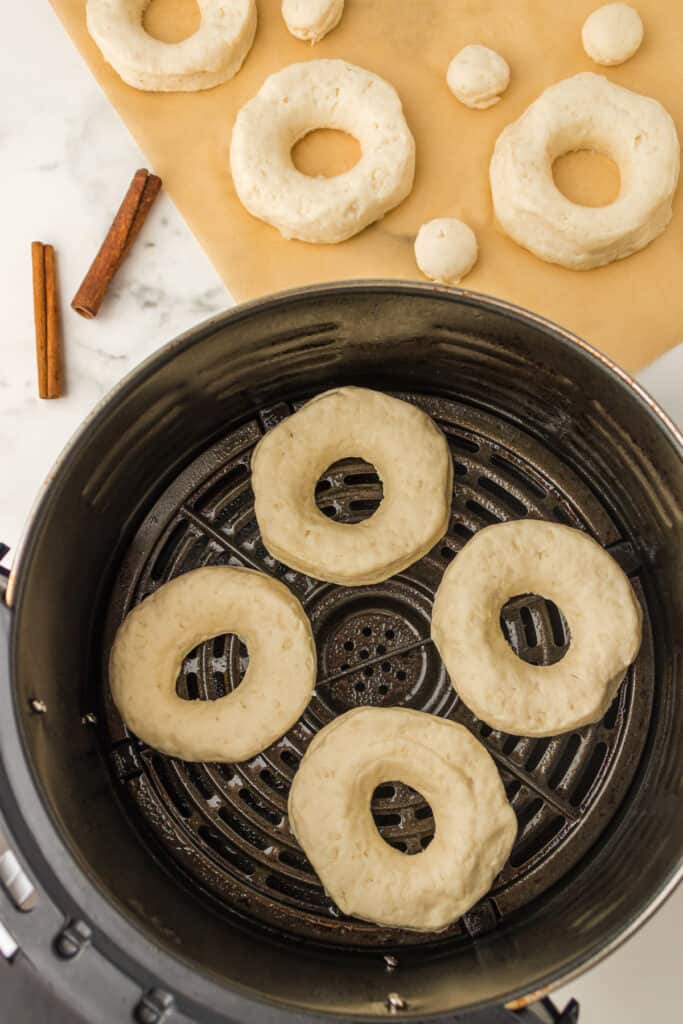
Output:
(633, 309)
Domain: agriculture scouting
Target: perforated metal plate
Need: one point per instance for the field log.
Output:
(224, 828)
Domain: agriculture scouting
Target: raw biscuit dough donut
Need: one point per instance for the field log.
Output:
(478, 76)
(413, 461)
(330, 815)
(571, 569)
(586, 112)
(213, 54)
(297, 100)
(310, 20)
(155, 637)
(612, 34)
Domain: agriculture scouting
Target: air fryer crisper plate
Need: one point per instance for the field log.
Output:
(225, 828)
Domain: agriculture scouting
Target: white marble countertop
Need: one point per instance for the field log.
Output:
(66, 160)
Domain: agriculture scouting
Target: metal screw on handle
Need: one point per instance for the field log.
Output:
(72, 940)
(154, 1007)
(395, 1002)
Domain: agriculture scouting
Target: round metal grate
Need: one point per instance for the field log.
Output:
(224, 828)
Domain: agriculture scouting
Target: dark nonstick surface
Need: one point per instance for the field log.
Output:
(225, 827)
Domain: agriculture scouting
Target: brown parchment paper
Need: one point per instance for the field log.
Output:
(633, 309)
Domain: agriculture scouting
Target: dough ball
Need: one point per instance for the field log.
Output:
(446, 250)
(478, 76)
(612, 34)
(311, 20)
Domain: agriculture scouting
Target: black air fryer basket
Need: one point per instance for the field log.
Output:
(175, 891)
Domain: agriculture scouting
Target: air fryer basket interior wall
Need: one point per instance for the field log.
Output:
(402, 337)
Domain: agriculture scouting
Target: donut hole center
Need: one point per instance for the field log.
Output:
(171, 21)
(402, 817)
(349, 490)
(587, 178)
(325, 153)
(213, 669)
(535, 629)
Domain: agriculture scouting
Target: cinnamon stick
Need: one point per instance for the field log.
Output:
(54, 344)
(40, 314)
(124, 229)
(46, 315)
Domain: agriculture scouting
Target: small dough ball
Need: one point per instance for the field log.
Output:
(478, 76)
(446, 250)
(311, 20)
(612, 34)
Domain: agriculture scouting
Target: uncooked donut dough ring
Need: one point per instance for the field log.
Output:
(155, 637)
(612, 34)
(413, 461)
(571, 569)
(586, 112)
(213, 54)
(310, 20)
(329, 813)
(297, 100)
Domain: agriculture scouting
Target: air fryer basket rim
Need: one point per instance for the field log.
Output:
(116, 925)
